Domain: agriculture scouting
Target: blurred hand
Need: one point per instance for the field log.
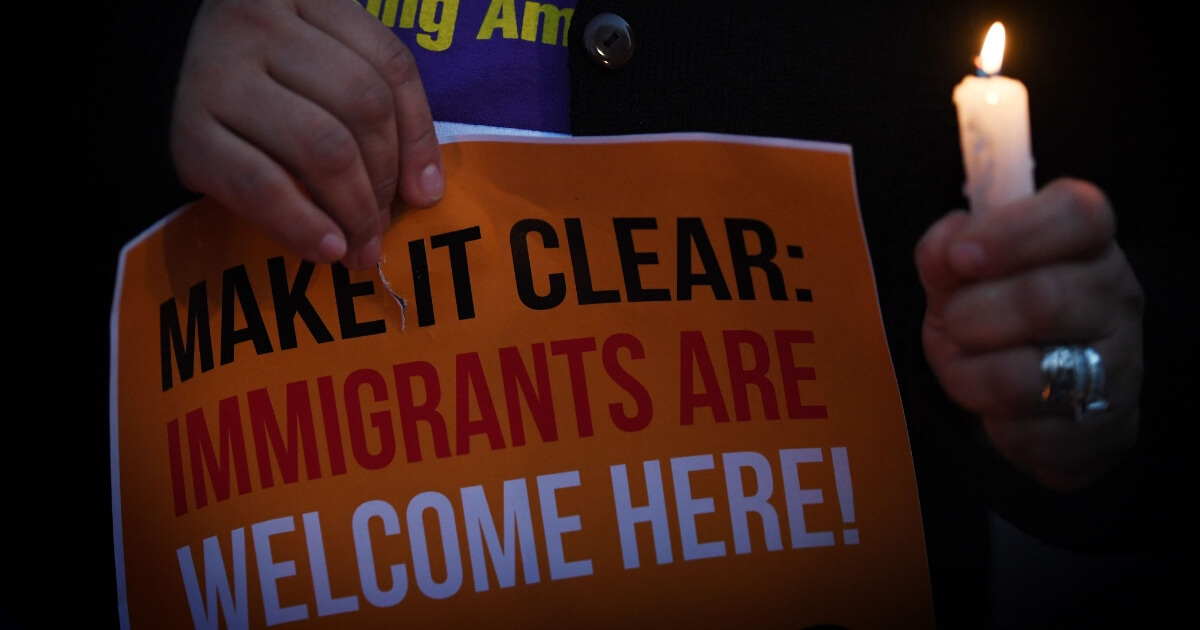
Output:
(308, 118)
(1000, 287)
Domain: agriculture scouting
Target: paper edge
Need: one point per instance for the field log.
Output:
(113, 428)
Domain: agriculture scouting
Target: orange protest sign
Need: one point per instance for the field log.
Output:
(622, 381)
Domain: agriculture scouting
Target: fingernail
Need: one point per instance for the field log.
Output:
(966, 256)
(432, 184)
(332, 247)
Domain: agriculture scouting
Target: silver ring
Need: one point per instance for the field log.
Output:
(1073, 381)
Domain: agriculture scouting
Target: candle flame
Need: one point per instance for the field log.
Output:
(992, 55)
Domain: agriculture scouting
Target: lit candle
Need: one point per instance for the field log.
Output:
(993, 126)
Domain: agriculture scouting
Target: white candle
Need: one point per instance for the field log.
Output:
(993, 126)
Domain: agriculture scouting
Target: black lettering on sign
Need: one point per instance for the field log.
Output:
(183, 347)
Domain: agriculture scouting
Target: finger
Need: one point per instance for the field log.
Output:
(1067, 220)
(316, 148)
(1009, 382)
(339, 80)
(1061, 453)
(933, 265)
(421, 178)
(1069, 301)
(1006, 382)
(254, 186)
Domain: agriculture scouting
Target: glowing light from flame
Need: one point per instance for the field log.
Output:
(992, 55)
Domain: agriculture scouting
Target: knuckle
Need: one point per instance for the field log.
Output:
(1011, 389)
(426, 138)
(395, 62)
(362, 227)
(962, 385)
(1043, 298)
(1090, 206)
(253, 184)
(258, 15)
(1133, 297)
(372, 100)
(329, 148)
(385, 189)
(188, 146)
(183, 152)
(191, 177)
(923, 250)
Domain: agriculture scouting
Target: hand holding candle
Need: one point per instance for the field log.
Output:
(1009, 294)
(993, 124)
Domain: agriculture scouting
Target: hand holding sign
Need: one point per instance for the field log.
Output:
(273, 94)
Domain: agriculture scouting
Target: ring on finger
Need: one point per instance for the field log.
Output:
(1073, 380)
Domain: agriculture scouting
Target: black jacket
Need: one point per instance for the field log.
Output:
(880, 79)
(94, 170)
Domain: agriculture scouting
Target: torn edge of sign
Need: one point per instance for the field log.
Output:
(399, 300)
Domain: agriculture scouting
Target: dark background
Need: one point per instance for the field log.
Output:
(90, 169)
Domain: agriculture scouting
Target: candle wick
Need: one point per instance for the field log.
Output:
(979, 71)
